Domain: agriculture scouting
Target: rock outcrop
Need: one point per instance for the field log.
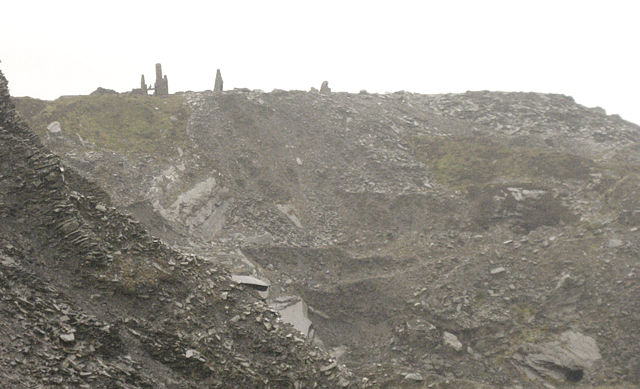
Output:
(567, 358)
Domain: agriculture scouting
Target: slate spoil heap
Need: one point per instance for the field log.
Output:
(88, 299)
(482, 239)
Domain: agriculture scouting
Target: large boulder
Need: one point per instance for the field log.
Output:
(567, 358)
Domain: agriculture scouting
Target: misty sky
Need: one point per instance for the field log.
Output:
(587, 49)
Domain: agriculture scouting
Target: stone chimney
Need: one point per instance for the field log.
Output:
(158, 72)
(324, 88)
(161, 87)
(143, 85)
(218, 85)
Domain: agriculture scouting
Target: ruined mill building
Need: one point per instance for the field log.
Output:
(161, 85)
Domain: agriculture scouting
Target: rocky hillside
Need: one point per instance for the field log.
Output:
(91, 300)
(475, 239)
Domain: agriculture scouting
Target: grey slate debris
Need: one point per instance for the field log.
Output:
(365, 227)
(89, 299)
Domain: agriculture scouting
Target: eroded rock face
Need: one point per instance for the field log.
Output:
(201, 209)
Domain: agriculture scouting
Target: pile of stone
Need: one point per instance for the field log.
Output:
(89, 299)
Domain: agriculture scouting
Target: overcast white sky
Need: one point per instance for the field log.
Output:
(587, 49)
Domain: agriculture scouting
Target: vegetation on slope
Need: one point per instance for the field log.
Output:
(463, 161)
(122, 123)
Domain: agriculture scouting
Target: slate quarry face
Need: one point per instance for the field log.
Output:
(432, 237)
(90, 299)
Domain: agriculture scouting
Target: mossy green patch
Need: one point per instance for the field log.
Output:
(28, 107)
(460, 162)
(129, 124)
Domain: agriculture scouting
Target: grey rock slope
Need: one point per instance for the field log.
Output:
(443, 238)
(89, 299)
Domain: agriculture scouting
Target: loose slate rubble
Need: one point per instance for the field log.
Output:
(89, 299)
(389, 252)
